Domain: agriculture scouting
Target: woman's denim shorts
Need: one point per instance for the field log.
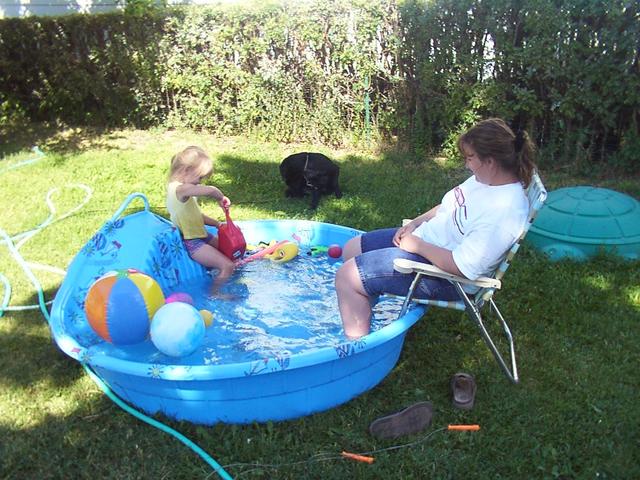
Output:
(378, 276)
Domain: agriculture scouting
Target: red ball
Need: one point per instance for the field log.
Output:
(334, 251)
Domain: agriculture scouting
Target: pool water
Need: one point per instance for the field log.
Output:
(275, 352)
(276, 310)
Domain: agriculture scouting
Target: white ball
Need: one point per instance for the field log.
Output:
(177, 329)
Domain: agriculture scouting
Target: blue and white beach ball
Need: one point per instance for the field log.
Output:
(177, 329)
(120, 305)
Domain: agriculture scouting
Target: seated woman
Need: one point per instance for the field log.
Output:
(467, 234)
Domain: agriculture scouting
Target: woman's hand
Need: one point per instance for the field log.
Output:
(410, 243)
(438, 256)
(403, 232)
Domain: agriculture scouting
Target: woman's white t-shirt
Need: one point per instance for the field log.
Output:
(479, 223)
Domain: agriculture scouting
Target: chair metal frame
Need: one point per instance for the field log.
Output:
(473, 304)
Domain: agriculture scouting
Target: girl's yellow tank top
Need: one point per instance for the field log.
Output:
(185, 215)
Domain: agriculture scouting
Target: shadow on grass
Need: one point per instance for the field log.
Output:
(31, 353)
(83, 443)
(55, 139)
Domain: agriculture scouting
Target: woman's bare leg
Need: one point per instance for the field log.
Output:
(353, 301)
(352, 248)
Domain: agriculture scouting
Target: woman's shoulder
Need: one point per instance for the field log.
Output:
(470, 181)
(512, 193)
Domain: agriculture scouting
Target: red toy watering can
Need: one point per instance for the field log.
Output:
(231, 241)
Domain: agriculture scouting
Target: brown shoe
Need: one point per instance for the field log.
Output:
(463, 391)
(411, 420)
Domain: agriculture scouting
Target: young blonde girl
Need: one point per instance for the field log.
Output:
(189, 168)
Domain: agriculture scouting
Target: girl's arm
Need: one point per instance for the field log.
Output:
(210, 221)
(440, 257)
(187, 190)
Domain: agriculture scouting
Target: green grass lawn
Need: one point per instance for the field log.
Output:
(575, 413)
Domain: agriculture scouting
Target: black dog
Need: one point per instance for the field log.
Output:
(310, 172)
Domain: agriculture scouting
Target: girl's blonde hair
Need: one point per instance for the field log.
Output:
(191, 159)
(492, 138)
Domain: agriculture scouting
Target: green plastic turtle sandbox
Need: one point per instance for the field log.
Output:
(579, 222)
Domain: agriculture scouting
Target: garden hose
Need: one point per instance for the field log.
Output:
(42, 305)
(154, 423)
(7, 293)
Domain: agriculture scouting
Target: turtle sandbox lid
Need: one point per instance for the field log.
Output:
(578, 222)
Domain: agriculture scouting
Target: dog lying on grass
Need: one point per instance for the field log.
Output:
(309, 172)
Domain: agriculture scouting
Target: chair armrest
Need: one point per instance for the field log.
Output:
(403, 265)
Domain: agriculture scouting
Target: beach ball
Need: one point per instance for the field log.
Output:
(179, 297)
(177, 329)
(334, 251)
(121, 304)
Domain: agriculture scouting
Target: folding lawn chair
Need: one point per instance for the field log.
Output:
(488, 285)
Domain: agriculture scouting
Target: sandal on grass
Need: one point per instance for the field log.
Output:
(412, 419)
(463, 391)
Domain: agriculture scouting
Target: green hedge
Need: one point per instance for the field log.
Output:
(81, 69)
(288, 73)
(567, 70)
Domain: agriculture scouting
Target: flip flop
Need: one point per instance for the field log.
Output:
(463, 391)
(412, 419)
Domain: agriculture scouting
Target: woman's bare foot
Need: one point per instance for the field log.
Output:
(218, 295)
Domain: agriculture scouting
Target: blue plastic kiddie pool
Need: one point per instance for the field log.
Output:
(204, 389)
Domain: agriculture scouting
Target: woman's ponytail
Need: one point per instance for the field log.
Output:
(525, 153)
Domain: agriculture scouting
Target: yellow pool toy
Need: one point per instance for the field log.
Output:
(284, 252)
(207, 317)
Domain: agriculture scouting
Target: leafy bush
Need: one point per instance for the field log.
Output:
(82, 69)
(566, 70)
(289, 73)
(335, 70)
